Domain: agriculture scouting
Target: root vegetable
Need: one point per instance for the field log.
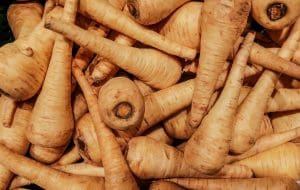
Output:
(45, 176)
(251, 111)
(121, 105)
(164, 185)
(149, 12)
(24, 17)
(236, 184)
(158, 133)
(182, 26)
(145, 64)
(117, 172)
(275, 15)
(23, 72)
(14, 138)
(267, 142)
(132, 29)
(143, 154)
(58, 120)
(279, 161)
(222, 22)
(85, 139)
(207, 149)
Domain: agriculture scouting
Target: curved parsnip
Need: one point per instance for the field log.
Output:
(149, 12)
(117, 172)
(276, 15)
(182, 26)
(24, 62)
(207, 149)
(145, 64)
(222, 22)
(85, 139)
(251, 111)
(121, 104)
(54, 128)
(279, 161)
(267, 142)
(118, 21)
(104, 69)
(45, 176)
(24, 17)
(151, 159)
(14, 138)
(237, 184)
(176, 126)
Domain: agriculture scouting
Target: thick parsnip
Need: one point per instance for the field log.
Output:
(117, 172)
(222, 22)
(276, 15)
(151, 159)
(149, 12)
(206, 150)
(236, 184)
(24, 62)
(14, 137)
(145, 64)
(121, 104)
(54, 128)
(279, 161)
(45, 176)
(122, 23)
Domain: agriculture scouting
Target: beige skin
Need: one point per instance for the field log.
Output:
(207, 149)
(219, 31)
(45, 176)
(121, 104)
(158, 133)
(85, 139)
(25, 71)
(21, 26)
(117, 172)
(76, 169)
(144, 63)
(151, 159)
(275, 17)
(117, 21)
(188, 34)
(17, 14)
(285, 121)
(251, 111)
(149, 12)
(164, 185)
(267, 142)
(176, 126)
(105, 69)
(236, 184)
(144, 88)
(58, 120)
(14, 138)
(181, 26)
(279, 161)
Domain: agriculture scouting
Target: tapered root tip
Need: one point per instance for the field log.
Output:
(123, 110)
(276, 11)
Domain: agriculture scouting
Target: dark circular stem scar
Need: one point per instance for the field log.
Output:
(123, 110)
(132, 9)
(276, 11)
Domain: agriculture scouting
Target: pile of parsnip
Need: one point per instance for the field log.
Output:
(151, 94)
